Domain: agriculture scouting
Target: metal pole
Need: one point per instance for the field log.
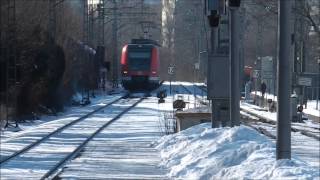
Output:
(170, 83)
(2, 61)
(318, 87)
(101, 40)
(258, 60)
(12, 64)
(90, 41)
(101, 22)
(215, 123)
(86, 41)
(52, 21)
(115, 45)
(234, 68)
(241, 47)
(214, 106)
(284, 81)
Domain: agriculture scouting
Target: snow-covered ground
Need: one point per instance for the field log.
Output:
(34, 163)
(69, 114)
(312, 108)
(308, 125)
(303, 147)
(311, 104)
(236, 153)
(133, 147)
(123, 150)
(201, 152)
(306, 148)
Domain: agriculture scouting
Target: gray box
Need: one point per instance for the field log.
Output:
(218, 77)
(215, 5)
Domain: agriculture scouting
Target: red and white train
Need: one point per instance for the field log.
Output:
(140, 64)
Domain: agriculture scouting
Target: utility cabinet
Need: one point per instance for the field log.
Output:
(218, 82)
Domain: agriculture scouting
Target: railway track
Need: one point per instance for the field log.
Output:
(4, 159)
(249, 117)
(71, 137)
(310, 131)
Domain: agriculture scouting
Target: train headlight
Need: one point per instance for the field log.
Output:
(125, 72)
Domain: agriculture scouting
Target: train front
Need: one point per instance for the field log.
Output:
(139, 66)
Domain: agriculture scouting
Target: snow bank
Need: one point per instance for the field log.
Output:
(201, 152)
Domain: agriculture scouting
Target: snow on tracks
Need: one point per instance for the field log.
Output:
(37, 161)
(124, 150)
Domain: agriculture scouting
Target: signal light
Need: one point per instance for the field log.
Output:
(214, 19)
(154, 72)
(125, 72)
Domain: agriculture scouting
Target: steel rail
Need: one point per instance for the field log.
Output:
(293, 129)
(7, 158)
(265, 120)
(73, 154)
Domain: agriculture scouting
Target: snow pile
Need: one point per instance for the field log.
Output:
(201, 152)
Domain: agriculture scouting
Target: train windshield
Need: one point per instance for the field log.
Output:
(139, 60)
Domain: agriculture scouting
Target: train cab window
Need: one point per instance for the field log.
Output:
(139, 60)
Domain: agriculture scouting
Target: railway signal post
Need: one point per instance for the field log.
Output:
(218, 67)
(115, 70)
(284, 80)
(234, 69)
